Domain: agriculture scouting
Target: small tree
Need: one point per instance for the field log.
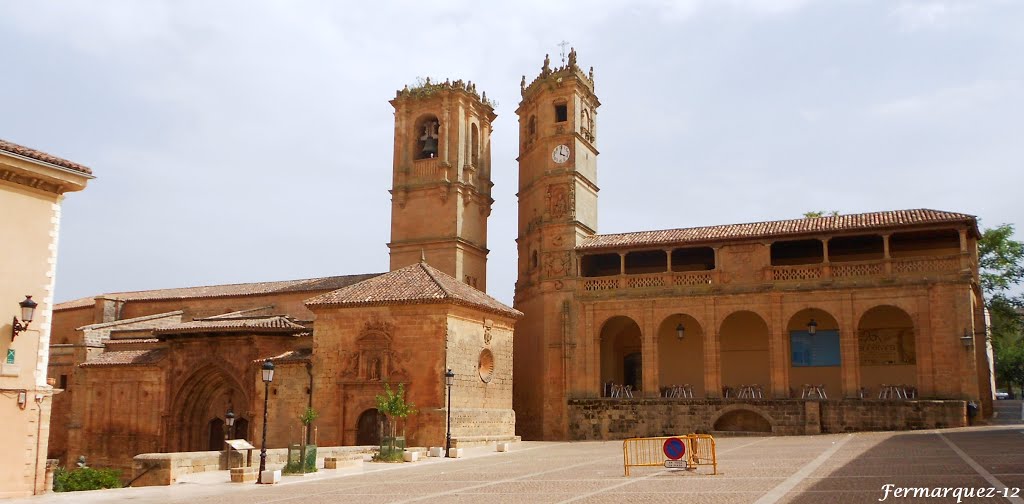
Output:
(393, 405)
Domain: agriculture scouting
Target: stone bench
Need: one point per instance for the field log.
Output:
(243, 474)
(343, 461)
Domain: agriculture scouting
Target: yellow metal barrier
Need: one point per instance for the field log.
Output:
(649, 452)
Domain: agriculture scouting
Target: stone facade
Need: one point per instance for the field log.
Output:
(894, 296)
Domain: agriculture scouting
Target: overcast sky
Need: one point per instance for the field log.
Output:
(252, 141)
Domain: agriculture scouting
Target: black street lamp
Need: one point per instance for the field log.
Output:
(449, 378)
(680, 332)
(812, 327)
(268, 376)
(229, 421)
(28, 310)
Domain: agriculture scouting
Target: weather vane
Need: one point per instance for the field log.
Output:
(563, 44)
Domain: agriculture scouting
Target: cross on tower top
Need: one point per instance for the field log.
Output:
(563, 45)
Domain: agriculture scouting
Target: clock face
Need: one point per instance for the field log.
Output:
(560, 154)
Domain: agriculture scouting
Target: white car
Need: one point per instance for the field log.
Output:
(1002, 395)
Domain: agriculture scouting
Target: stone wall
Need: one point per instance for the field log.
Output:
(153, 469)
(846, 416)
(605, 419)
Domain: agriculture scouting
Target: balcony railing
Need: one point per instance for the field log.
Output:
(674, 279)
(900, 266)
(799, 273)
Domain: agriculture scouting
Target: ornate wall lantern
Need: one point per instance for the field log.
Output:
(28, 311)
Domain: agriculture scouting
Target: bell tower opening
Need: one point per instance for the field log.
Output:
(426, 137)
(441, 185)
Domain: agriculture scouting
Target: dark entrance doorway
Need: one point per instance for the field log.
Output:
(368, 432)
(632, 370)
(216, 435)
(241, 429)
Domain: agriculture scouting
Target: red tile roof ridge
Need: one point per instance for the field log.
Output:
(37, 155)
(126, 358)
(130, 340)
(115, 323)
(277, 323)
(417, 283)
(220, 290)
(805, 225)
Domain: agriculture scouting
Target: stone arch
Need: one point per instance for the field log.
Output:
(681, 362)
(743, 350)
(205, 395)
(887, 343)
(742, 418)
(813, 359)
(621, 352)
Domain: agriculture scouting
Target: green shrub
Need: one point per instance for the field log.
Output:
(85, 478)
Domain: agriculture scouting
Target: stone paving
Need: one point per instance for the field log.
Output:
(802, 469)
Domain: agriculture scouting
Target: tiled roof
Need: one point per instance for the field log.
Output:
(300, 355)
(211, 291)
(830, 224)
(126, 358)
(414, 284)
(128, 341)
(275, 324)
(21, 150)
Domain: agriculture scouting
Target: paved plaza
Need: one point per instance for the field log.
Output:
(805, 469)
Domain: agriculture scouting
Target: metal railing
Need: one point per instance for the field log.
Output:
(650, 452)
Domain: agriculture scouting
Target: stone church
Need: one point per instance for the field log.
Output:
(849, 322)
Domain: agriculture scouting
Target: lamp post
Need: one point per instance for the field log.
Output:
(449, 378)
(229, 420)
(268, 376)
(28, 311)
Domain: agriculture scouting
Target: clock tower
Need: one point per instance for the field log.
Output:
(557, 208)
(441, 191)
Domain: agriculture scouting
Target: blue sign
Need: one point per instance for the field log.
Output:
(674, 448)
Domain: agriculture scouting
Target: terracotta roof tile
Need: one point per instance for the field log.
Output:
(126, 358)
(21, 150)
(414, 284)
(830, 224)
(128, 341)
(300, 355)
(211, 291)
(275, 324)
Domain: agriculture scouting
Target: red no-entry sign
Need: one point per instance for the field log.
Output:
(674, 448)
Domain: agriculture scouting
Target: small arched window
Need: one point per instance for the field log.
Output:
(474, 144)
(531, 128)
(533, 260)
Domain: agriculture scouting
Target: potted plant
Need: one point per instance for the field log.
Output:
(393, 405)
(302, 458)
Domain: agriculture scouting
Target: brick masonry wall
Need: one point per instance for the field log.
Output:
(605, 419)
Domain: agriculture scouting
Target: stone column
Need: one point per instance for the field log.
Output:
(849, 351)
(778, 369)
(649, 340)
(712, 366)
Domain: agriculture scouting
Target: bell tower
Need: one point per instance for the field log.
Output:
(441, 189)
(557, 209)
